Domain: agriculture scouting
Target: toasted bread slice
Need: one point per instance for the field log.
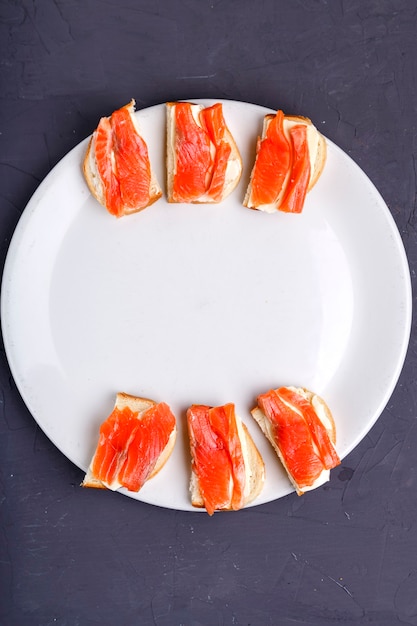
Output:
(322, 454)
(194, 153)
(117, 166)
(244, 455)
(317, 153)
(132, 409)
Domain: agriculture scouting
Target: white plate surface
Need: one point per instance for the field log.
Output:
(204, 304)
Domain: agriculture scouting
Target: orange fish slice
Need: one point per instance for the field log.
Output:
(132, 165)
(103, 158)
(227, 470)
(273, 163)
(134, 442)
(293, 438)
(193, 156)
(218, 177)
(299, 180)
(290, 157)
(301, 429)
(203, 161)
(117, 166)
(211, 461)
(316, 427)
(215, 124)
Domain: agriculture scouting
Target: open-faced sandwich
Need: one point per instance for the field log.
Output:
(135, 441)
(117, 167)
(203, 161)
(290, 157)
(302, 431)
(227, 471)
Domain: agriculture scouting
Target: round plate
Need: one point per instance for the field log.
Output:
(204, 304)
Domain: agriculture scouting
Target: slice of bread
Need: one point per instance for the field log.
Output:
(99, 186)
(234, 162)
(325, 416)
(317, 149)
(254, 468)
(139, 407)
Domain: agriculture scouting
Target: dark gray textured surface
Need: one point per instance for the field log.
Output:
(346, 554)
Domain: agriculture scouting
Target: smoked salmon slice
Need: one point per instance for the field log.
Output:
(273, 163)
(215, 124)
(194, 161)
(218, 177)
(203, 161)
(103, 158)
(301, 429)
(289, 159)
(132, 165)
(294, 439)
(227, 469)
(134, 442)
(319, 433)
(223, 422)
(296, 191)
(117, 165)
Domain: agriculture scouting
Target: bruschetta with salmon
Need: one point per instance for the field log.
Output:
(134, 442)
(290, 157)
(117, 166)
(203, 161)
(302, 431)
(227, 470)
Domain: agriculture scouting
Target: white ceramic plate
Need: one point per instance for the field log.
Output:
(204, 304)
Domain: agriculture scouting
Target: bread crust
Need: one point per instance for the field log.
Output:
(93, 181)
(140, 406)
